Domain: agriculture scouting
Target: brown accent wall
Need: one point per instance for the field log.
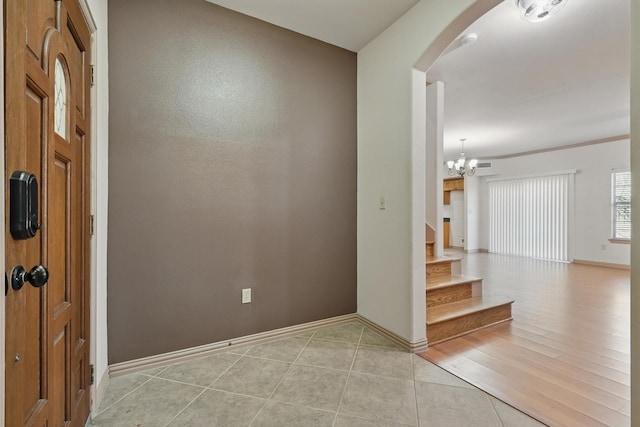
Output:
(232, 164)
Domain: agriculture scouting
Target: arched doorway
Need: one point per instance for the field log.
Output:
(416, 118)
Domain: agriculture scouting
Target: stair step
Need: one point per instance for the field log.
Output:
(463, 308)
(441, 260)
(430, 248)
(452, 289)
(439, 268)
(451, 320)
(444, 282)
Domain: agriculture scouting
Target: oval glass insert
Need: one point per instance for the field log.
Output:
(60, 100)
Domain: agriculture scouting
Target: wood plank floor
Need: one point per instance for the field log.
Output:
(565, 357)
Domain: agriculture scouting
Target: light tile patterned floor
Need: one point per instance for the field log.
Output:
(339, 376)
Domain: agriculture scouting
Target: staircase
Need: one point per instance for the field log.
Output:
(455, 304)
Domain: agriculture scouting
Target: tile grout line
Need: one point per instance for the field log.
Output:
(150, 377)
(186, 406)
(169, 380)
(247, 396)
(240, 355)
(281, 379)
(124, 396)
(350, 342)
(344, 389)
(495, 411)
(202, 392)
(300, 364)
(415, 391)
(323, 367)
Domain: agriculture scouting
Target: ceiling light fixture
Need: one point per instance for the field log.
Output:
(462, 166)
(539, 10)
(468, 39)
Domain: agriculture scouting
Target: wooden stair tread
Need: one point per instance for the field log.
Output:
(442, 313)
(441, 260)
(431, 242)
(453, 280)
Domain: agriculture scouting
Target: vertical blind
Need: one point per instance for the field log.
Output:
(530, 216)
(621, 205)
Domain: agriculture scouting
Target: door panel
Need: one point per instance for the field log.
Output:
(57, 396)
(47, 342)
(40, 17)
(34, 362)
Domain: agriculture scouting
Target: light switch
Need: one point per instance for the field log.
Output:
(246, 296)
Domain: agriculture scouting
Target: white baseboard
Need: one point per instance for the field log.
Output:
(170, 358)
(411, 347)
(602, 264)
(100, 390)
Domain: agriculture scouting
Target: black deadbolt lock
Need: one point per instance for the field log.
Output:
(23, 205)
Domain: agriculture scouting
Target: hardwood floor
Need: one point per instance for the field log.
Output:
(565, 357)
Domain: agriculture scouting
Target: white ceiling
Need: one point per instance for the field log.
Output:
(521, 87)
(528, 86)
(350, 24)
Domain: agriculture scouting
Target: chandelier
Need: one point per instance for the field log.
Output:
(462, 167)
(539, 10)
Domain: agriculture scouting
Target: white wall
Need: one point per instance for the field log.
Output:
(447, 210)
(457, 224)
(592, 226)
(99, 192)
(472, 213)
(635, 245)
(390, 291)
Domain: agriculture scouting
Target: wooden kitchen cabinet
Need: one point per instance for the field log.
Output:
(450, 185)
(445, 234)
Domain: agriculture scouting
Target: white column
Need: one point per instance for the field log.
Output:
(471, 213)
(635, 218)
(434, 159)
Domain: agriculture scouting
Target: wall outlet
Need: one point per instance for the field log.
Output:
(246, 295)
(462, 240)
(382, 203)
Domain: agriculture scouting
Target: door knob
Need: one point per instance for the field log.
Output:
(37, 276)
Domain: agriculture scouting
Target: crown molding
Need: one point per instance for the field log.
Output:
(562, 147)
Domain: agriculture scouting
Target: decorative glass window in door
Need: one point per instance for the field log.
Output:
(60, 100)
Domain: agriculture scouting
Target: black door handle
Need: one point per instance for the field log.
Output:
(37, 276)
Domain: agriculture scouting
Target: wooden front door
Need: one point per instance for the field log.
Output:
(47, 87)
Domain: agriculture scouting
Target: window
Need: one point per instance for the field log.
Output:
(621, 205)
(60, 100)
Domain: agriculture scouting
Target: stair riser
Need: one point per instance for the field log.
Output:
(438, 271)
(430, 250)
(455, 327)
(450, 294)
